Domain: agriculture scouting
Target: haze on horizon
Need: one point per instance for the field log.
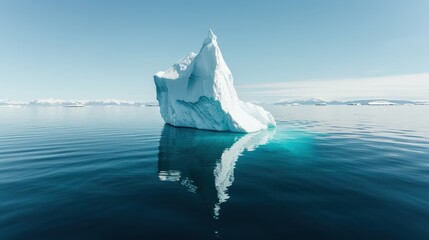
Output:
(333, 50)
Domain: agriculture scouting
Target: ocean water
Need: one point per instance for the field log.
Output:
(333, 172)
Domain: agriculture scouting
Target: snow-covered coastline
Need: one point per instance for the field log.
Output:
(283, 102)
(50, 102)
(370, 102)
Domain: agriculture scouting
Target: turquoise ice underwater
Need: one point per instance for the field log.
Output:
(118, 172)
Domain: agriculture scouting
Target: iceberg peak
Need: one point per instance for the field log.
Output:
(198, 92)
(211, 38)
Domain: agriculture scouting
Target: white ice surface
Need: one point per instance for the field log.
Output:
(198, 92)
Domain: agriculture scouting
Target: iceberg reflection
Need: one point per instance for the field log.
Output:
(204, 161)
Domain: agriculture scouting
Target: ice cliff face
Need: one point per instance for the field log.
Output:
(198, 92)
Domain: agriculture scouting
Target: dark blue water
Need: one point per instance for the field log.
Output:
(346, 172)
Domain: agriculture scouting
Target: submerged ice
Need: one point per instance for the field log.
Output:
(198, 92)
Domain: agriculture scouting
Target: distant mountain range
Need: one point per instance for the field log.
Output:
(75, 103)
(118, 102)
(375, 102)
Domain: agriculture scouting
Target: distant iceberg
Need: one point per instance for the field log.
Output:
(198, 92)
(381, 103)
(12, 104)
(75, 105)
(49, 102)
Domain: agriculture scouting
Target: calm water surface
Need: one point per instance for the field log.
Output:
(335, 172)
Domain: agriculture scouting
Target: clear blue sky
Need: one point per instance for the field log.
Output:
(85, 49)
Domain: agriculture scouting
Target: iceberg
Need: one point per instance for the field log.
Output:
(198, 92)
(381, 103)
